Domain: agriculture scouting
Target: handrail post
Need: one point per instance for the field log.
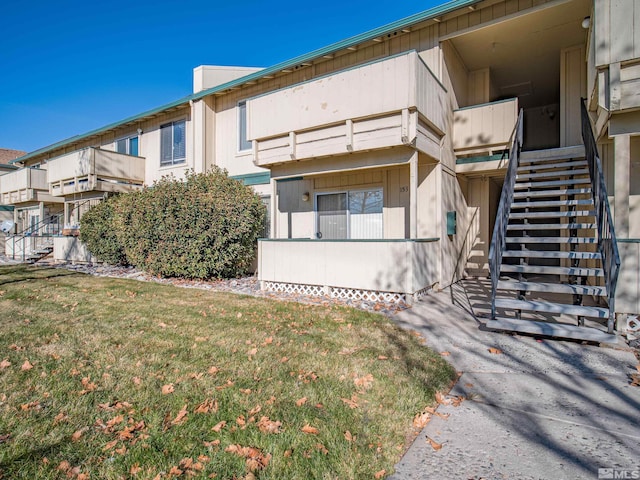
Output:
(606, 236)
(498, 241)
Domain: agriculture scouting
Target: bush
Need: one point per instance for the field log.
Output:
(99, 235)
(204, 227)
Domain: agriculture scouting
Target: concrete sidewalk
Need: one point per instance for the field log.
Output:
(538, 410)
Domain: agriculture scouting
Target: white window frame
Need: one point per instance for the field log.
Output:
(128, 144)
(239, 128)
(174, 161)
(333, 192)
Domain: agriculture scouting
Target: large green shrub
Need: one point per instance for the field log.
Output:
(99, 235)
(203, 227)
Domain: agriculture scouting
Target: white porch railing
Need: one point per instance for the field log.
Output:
(94, 169)
(385, 103)
(403, 267)
(23, 185)
(484, 129)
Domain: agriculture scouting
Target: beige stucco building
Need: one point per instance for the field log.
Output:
(383, 156)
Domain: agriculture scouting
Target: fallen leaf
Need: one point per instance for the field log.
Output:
(135, 468)
(441, 399)
(495, 351)
(136, 380)
(213, 370)
(456, 401)
(215, 443)
(209, 405)
(301, 401)
(110, 445)
(445, 354)
(309, 429)
(76, 435)
(175, 471)
(64, 466)
(82, 476)
(382, 357)
(348, 437)
(352, 402)
(364, 382)
(219, 426)
(181, 417)
(435, 445)
(444, 416)
(269, 426)
(252, 352)
(255, 410)
(380, 474)
(5, 364)
(421, 420)
(26, 365)
(167, 389)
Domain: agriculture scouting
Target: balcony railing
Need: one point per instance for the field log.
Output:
(484, 129)
(399, 266)
(390, 102)
(24, 185)
(94, 169)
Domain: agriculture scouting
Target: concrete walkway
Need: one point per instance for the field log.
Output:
(538, 410)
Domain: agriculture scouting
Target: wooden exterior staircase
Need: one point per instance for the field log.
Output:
(553, 257)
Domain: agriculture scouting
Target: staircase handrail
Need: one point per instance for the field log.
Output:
(20, 238)
(498, 241)
(607, 243)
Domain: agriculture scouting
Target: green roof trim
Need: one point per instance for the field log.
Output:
(6, 208)
(349, 42)
(254, 178)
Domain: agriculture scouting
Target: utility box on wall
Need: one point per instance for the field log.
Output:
(451, 223)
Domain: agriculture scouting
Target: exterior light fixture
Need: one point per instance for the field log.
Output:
(586, 23)
(305, 197)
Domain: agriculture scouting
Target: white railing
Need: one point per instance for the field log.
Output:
(376, 105)
(484, 128)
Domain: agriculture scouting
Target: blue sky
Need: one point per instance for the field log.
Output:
(68, 66)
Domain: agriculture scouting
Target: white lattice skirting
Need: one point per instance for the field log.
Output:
(336, 292)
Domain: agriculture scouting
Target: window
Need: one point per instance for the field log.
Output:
(243, 143)
(173, 143)
(266, 228)
(355, 214)
(128, 145)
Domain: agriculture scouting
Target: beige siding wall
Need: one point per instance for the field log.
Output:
(617, 31)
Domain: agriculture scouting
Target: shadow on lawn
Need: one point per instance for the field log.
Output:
(22, 273)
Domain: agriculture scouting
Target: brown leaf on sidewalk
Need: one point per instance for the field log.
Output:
(435, 445)
(456, 401)
(495, 351)
(421, 419)
(445, 354)
(440, 398)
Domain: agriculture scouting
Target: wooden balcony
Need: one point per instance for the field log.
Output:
(391, 102)
(484, 129)
(95, 170)
(26, 185)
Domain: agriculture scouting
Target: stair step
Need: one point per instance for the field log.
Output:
(545, 166)
(552, 154)
(550, 240)
(551, 254)
(553, 183)
(552, 214)
(559, 330)
(551, 226)
(561, 173)
(549, 270)
(552, 288)
(548, 307)
(553, 193)
(551, 203)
